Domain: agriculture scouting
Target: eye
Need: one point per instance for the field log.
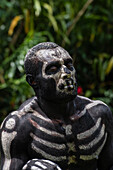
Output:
(52, 69)
(69, 66)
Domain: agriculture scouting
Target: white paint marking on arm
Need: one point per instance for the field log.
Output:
(6, 139)
(10, 124)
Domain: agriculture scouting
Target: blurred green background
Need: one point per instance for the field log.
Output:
(84, 28)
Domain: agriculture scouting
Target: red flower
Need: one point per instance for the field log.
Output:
(79, 90)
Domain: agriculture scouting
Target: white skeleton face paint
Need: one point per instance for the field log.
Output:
(57, 64)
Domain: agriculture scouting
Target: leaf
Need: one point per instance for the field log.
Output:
(92, 37)
(50, 16)
(103, 55)
(37, 7)
(48, 7)
(27, 20)
(88, 93)
(53, 22)
(110, 66)
(14, 23)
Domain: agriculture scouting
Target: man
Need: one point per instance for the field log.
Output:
(57, 129)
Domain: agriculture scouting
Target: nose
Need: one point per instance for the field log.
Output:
(66, 73)
(66, 70)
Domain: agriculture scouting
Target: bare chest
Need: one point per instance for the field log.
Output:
(71, 143)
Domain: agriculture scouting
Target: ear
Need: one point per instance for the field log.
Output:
(31, 80)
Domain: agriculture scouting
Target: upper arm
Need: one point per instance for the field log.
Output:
(107, 152)
(12, 156)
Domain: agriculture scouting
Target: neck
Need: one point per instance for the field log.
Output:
(57, 110)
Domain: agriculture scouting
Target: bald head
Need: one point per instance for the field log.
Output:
(41, 53)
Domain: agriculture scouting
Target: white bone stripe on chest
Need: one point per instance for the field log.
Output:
(41, 117)
(46, 155)
(47, 143)
(90, 131)
(95, 154)
(95, 141)
(49, 132)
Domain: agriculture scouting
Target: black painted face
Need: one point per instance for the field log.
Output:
(57, 80)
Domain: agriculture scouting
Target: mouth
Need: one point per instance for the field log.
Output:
(67, 85)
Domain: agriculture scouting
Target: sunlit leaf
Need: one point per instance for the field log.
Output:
(48, 7)
(37, 7)
(53, 22)
(14, 23)
(110, 66)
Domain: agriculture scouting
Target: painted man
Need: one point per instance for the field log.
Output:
(56, 129)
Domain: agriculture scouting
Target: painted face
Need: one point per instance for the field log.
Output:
(57, 65)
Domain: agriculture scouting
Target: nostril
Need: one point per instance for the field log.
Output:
(61, 86)
(65, 77)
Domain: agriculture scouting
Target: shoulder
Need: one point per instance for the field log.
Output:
(28, 105)
(16, 118)
(96, 108)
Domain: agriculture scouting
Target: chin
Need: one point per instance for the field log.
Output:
(65, 97)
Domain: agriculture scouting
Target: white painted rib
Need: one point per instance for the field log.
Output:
(49, 132)
(90, 131)
(95, 154)
(41, 117)
(95, 141)
(47, 143)
(46, 155)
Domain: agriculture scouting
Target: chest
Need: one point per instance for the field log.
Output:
(72, 143)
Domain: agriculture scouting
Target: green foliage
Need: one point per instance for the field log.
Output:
(84, 28)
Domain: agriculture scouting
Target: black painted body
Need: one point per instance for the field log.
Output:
(29, 122)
